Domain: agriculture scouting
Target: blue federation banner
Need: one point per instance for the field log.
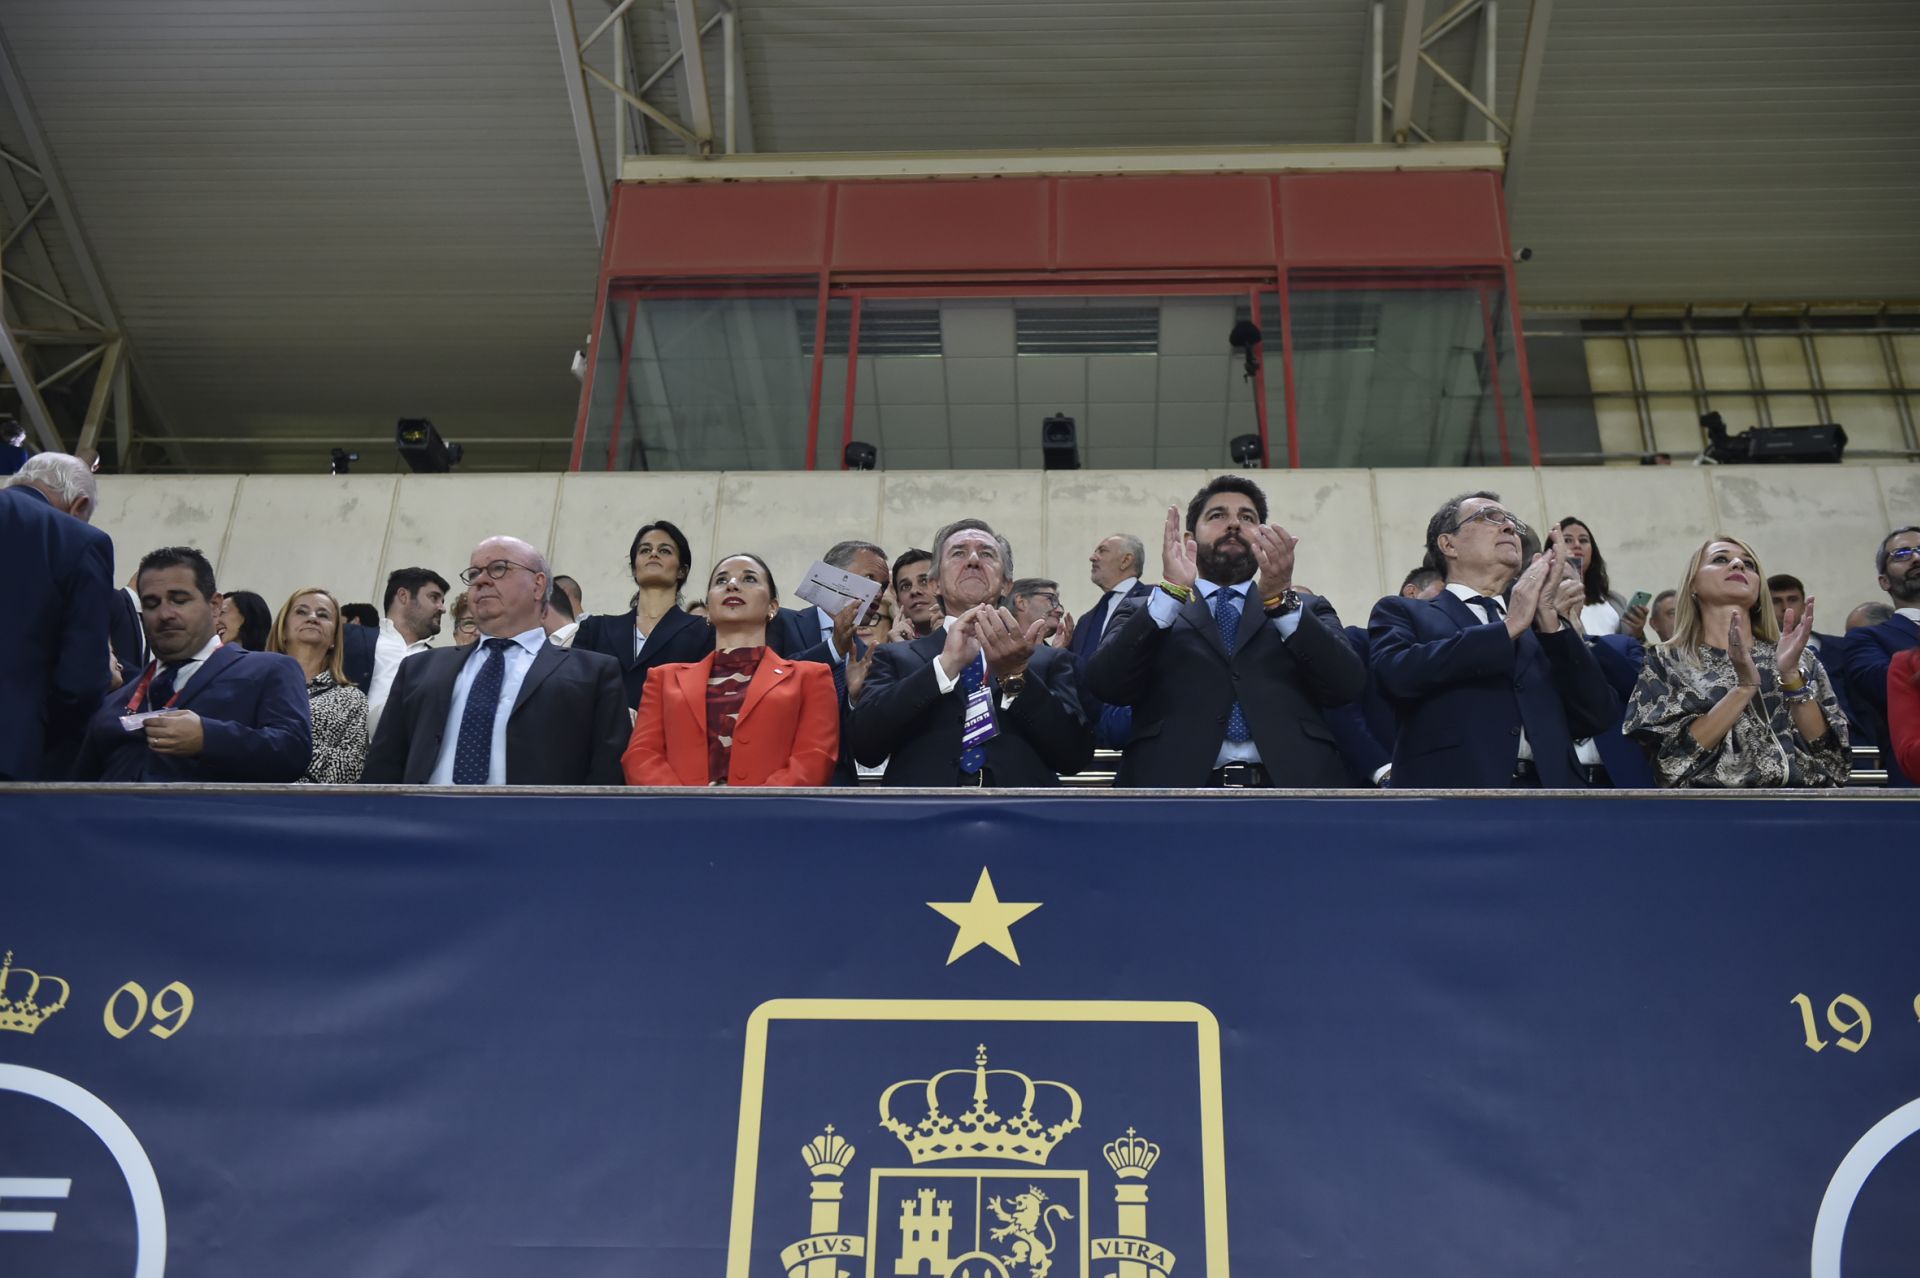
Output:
(756, 1036)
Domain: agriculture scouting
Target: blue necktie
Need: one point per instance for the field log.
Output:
(473, 752)
(1226, 615)
(972, 758)
(160, 691)
(1086, 636)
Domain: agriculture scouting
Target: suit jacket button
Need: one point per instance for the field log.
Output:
(1516, 732)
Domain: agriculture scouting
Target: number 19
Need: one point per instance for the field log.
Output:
(1861, 1020)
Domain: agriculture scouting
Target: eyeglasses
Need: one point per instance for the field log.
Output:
(495, 570)
(1495, 517)
(1903, 554)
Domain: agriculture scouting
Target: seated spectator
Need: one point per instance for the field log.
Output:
(415, 601)
(1662, 613)
(1868, 614)
(1032, 599)
(466, 631)
(361, 614)
(879, 628)
(1730, 702)
(1790, 600)
(809, 634)
(244, 619)
(1903, 710)
(978, 703)
(201, 710)
(654, 630)
(1226, 665)
(1603, 610)
(576, 597)
(919, 605)
(561, 627)
(1489, 692)
(1871, 649)
(308, 630)
(743, 714)
(512, 709)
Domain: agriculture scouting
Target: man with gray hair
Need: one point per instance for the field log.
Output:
(1116, 565)
(55, 663)
(981, 702)
(811, 634)
(511, 709)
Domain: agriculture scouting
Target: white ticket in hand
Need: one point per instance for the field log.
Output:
(834, 588)
(132, 722)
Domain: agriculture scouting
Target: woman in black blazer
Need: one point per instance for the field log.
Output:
(655, 631)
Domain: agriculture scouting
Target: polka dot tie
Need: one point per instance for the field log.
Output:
(972, 758)
(1226, 615)
(473, 752)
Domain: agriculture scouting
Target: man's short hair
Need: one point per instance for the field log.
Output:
(560, 602)
(1447, 520)
(1785, 581)
(1135, 547)
(1665, 594)
(364, 613)
(1880, 558)
(1027, 587)
(841, 553)
(411, 580)
(64, 474)
(913, 556)
(180, 557)
(1226, 484)
(975, 525)
(564, 581)
(1422, 577)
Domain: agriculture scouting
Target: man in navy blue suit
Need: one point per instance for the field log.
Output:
(1871, 649)
(1364, 729)
(1489, 692)
(201, 710)
(810, 634)
(1115, 566)
(54, 662)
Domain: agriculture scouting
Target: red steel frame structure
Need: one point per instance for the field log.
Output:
(1226, 234)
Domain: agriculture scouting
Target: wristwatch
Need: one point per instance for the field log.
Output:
(1013, 685)
(1289, 602)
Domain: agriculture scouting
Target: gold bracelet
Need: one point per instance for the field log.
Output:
(1800, 681)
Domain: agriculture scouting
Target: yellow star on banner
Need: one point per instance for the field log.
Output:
(985, 920)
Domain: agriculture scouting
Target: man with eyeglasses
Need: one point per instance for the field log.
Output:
(1036, 599)
(511, 709)
(1490, 687)
(1870, 649)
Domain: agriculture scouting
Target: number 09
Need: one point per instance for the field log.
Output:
(170, 1008)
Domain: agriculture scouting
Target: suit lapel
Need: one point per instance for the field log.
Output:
(1198, 615)
(774, 670)
(212, 668)
(442, 672)
(691, 679)
(671, 623)
(1913, 631)
(1456, 607)
(545, 662)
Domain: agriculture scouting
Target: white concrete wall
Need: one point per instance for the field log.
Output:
(1360, 531)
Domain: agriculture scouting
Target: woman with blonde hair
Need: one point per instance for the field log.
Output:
(308, 630)
(1730, 701)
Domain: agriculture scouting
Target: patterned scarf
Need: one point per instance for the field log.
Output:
(726, 693)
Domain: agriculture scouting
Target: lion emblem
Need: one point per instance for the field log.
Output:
(1022, 1224)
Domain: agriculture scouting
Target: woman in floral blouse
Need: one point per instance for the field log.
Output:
(308, 630)
(1730, 701)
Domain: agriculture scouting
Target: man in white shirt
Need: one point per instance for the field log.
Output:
(512, 709)
(1116, 564)
(416, 600)
(560, 623)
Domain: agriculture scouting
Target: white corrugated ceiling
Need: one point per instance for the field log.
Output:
(316, 217)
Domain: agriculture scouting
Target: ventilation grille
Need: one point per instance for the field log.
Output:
(883, 330)
(1087, 330)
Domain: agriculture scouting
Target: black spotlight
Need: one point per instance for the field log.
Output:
(1059, 449)
(1245, 338)
(424, 450)
(861, 456)
(1248, 451)
(343, 460)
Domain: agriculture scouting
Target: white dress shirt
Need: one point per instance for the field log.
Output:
(519, 659)
(184, 673)
(1163, 608)
(1600, 619)
(1911, 614)
(1465, 593)
(389, 650)
(1120, 592)
(563, 637)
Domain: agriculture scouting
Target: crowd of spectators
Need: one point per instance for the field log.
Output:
(1506, 659)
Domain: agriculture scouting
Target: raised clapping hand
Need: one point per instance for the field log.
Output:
(1569, 597)
(1273, 551)
(1008, 648)
(963, 645)
(1793, 640)
(1740, 650)
(1177, 564)
(843, 627)
(1062, 636)
(859, 662)
(1524, 606)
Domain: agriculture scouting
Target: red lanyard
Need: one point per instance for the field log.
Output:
(140, 689)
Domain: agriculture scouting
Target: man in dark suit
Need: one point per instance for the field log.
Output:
(1870, 649)
(1115, 567)
(125, 635)
(810, 634)
(200, 710)
(511, 709)
(978, 702)
(1489, 692)
(54, 662)
(1226, 665)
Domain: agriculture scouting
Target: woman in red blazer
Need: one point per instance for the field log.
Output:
(1903, 710)
(744, 715)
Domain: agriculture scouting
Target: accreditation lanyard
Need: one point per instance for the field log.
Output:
(140, 689)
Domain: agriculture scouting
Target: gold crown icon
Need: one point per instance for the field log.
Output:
(828, 1154)
(1130, 1157)
(980, 1131)
(24, 1014)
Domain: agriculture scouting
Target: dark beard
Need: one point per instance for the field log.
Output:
(1225, 563)
(1905, 590)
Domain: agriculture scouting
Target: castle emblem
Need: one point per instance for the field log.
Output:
(20, 1008)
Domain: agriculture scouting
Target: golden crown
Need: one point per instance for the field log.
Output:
(24, 1014)
(979, 1131)
(827, 1155)
(1130, 1157)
